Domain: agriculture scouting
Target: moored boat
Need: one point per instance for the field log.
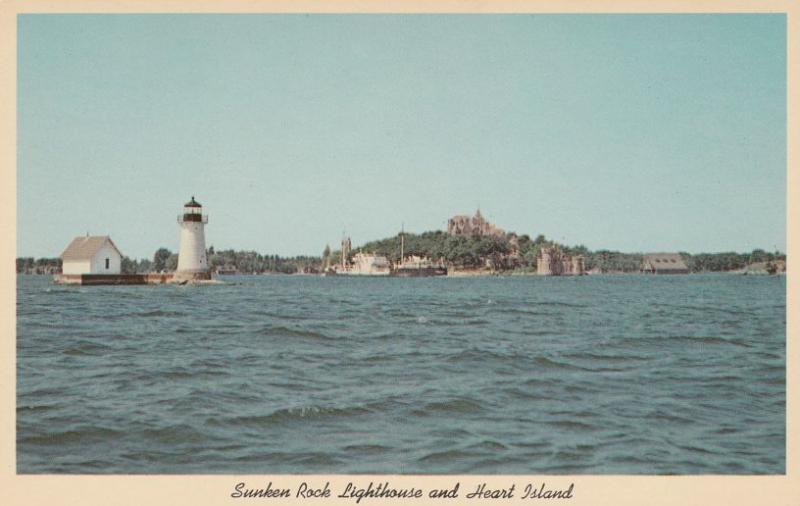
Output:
(415, 266)
(364, 264)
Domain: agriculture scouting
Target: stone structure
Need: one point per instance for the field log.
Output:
(347, 247)
(475, 225)
(552, 261)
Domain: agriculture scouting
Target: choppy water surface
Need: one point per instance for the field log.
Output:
(295, 374)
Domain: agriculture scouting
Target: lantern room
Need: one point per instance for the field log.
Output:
(193, 212)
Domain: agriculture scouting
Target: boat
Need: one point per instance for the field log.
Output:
(415, 266)
(227, 271)
(363, 264)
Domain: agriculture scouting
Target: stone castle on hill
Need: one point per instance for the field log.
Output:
(551, 261)
(472, 225)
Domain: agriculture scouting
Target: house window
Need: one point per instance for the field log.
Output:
(107, 263)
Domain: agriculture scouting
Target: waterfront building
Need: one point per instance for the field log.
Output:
(91, 255)
(361, 264)
(664, 263)
(472, 225)
(192, 259)
(370, 264)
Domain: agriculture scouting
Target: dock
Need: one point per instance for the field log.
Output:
(114, 279)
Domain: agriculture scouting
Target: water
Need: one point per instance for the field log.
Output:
(296, 374)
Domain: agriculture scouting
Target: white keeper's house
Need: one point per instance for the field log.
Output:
(96, 254)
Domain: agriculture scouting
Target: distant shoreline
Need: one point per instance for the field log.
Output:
(487, 274)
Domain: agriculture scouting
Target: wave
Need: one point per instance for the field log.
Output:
(287, 415)
(523, 312)
(283, 331)
(534, 395)
(663, 415)
(87, 348)
(716, 309)
(454, 406)
(86, 434)
(446, 457)
(475, 354)
(467, 321)
(35, 409)
(178, 433)
(156, 313)
(549, 363)
(369, 449)
(488, 446)
(555, 303)
(604, 358)
(682, 339)
(189, 373)
(514, 358)
(572, 425)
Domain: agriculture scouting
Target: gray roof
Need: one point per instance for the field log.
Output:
(84, 247)
(665, 261)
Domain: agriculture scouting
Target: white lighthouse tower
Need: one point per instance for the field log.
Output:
(192, 259)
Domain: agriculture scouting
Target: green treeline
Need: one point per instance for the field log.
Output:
(250, 262)
(474, 251)
(511, 252)
(241, 262)
(29, 265)
(507, 252)
(729, 261)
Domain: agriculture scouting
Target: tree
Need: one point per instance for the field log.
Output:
(171, 263)
(326, 256)
(128, 266)
(160, 259)
(144, 265)
(25, 265)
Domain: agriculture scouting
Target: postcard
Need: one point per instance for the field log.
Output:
(351, 254)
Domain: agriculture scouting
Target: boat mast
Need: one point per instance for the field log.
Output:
(402, 242)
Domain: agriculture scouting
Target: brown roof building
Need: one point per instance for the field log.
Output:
(664, 263)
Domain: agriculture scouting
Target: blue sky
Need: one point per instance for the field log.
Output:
(628, 132)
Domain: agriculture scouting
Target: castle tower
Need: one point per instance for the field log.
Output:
(346, 248)
(578, 266)
(192, 259)
(544, 262)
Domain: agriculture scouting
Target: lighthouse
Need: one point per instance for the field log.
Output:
(192, 259)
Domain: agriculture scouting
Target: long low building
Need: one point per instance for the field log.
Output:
(664, 263)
